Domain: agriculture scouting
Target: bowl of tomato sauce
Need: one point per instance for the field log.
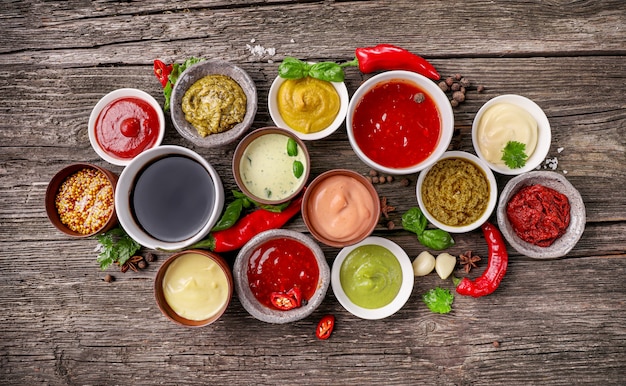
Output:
(541, 214)
(124, 123)
(399, 122)
(281, 276)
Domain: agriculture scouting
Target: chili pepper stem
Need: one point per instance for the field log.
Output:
(208, 243)
(353, 63)
(456, 280)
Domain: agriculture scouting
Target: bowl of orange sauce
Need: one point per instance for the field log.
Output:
(340, 207)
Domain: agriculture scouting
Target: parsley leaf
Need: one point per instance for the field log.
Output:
(439, 300)
(116, 247)
(514, 155)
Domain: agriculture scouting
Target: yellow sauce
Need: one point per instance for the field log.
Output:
(308, 105)
(341, 208)
(195, 287)
(504, 122)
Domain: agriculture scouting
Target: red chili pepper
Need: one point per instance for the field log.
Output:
(162, 71)
(385, 57)
(249, 226)
(325, 327)
(496, 267)
(287, 301)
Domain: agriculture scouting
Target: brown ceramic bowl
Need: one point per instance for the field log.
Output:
(274, 167)
(345, 234)
(159, 292)
(53, 188)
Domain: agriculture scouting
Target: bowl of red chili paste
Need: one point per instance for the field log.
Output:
(541, 214)
(399, 122)
(125, 123)
(281, 276)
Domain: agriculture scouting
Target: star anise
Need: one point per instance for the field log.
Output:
(384, 208)
(131, 264)
(468, 261)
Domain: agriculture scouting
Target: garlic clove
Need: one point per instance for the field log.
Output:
(423, 264)
(444, 265)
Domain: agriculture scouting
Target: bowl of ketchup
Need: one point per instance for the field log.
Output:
(124, 123)
(399, 122)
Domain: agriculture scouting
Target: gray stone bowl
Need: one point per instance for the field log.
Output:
(250, 302)
(564, 244)
(189, 77)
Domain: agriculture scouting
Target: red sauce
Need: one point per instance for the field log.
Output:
(395, 126)
(126, 127)
(280, 264)
(539, 215)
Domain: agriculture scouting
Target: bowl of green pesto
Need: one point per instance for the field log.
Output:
(213, 103)
(372, 279)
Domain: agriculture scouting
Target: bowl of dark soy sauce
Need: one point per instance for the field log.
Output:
(169, 198)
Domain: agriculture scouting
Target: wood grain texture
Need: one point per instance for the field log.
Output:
(557, 322)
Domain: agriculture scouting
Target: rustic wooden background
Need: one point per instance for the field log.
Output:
(555, 322)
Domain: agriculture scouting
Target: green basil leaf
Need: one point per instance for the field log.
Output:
(292, 68)
(328, 71)
(230, 216)
(414, 221)
(298, 169)
(436, 239)
(292, 147)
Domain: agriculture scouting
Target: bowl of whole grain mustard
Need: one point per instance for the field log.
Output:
(458, 193)
(80, 200)
(213, 103)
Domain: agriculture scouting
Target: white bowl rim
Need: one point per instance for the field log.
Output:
(441, 100)
(544, 138)
(493, 193)
(240, 277)
(401, 298)
(110, 97)
(127, 179)
(341, 89)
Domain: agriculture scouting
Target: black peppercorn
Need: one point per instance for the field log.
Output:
(150, 257)
(142, 264)
(108, 278)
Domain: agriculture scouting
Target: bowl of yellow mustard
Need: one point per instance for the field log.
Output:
(311, 108)
(213, 103)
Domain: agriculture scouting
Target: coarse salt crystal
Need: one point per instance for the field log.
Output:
(559, 150)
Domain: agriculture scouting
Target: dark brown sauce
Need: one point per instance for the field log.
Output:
(173, 198)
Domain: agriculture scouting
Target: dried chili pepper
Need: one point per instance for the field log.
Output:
(285, 301)
(496, 267)
(325, 327)
(248, 226)
(162, 71)
(389, 57)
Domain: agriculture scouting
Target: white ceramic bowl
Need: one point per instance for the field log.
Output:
(188, 78)
(126, 185)
(405, 288)
(249, 300)
(446, 116)
(106, 100)
(564, 244)
(544, 137)
(272, 101)
(493, 193)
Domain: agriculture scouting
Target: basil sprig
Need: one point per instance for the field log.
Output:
(415, 221)
(293, 68)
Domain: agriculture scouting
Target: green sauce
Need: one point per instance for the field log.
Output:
(371, 276)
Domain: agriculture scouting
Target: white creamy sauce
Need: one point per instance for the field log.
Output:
(267, 170)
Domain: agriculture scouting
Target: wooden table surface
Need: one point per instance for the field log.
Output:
(559, 321)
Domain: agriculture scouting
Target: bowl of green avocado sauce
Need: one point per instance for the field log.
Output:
(372, 279)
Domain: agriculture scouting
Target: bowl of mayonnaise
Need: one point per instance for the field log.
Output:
(512, 134)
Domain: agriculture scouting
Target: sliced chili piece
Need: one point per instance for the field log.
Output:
(325, 327)
(162, 71)
(285, 301)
